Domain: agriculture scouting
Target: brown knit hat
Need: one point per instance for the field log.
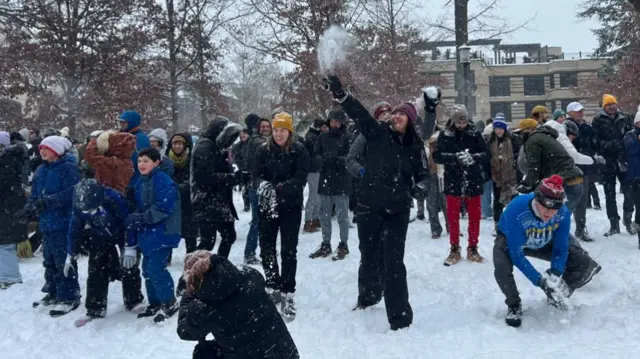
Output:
(380, 107)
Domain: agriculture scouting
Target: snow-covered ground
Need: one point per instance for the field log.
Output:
(458, 310)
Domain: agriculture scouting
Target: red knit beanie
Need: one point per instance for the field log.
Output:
(380, 107)
(550, 192)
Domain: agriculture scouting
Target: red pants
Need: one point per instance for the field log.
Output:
(474, 209)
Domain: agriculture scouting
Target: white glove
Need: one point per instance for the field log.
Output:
(599, 160)
(70, 266)
(130, 257)
(465, 159)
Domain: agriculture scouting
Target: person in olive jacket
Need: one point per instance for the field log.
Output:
(230, 303)
(395, 171)
(212, 182)
(280, 172)
(464, 153)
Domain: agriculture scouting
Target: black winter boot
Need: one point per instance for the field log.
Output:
(626, 220)
(514, 316)
(581, 231)
(615, 228)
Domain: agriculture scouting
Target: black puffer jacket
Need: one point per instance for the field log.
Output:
(290, 169)
(392, 166)
(254, 142)
(14, 198)
(585, 144)
(310, 142)
(182, 177)
(609, 134)
(232, 305)
(334, 178)
(458, 180)
(212, 177)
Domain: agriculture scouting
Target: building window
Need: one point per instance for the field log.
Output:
(569, 79)
(499, 86)
(565, 103)
(533, 85)
(552, 81)
(504, 107)
(528, 107)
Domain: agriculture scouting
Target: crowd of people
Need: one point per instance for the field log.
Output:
(126, 199)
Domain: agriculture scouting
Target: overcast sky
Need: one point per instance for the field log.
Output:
(555, 22)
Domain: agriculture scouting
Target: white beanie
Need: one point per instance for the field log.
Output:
(25, 134)
(57, 144)
(637, 119)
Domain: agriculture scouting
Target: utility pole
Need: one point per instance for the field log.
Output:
(461, 14)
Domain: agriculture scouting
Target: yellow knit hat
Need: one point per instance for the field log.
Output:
(539, 109)
(283, 120)
(608, 100)
(528, 124)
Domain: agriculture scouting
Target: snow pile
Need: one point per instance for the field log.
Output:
(459, 310)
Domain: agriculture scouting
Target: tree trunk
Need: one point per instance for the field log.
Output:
(173, 65)
(461, 15)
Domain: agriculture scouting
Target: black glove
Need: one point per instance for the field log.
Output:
(430, 104)
(38, 205)
(523, 188)
(328, 157)
(419, 191)
(332, 84)
(241, 177)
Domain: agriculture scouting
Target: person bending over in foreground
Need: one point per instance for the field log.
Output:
(537, 225)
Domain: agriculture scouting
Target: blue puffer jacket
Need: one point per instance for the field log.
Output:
(53, 184)
(632, 147)
(102, 208)
(158, 198)
(133, 120)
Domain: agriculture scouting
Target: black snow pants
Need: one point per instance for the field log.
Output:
(208, 237)
(579, 271)
(104, 267)
(288, 224)
(382, 272)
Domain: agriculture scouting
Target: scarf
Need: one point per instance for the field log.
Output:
(179, 161)
(503, 172)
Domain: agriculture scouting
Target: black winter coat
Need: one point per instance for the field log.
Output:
(249, 153)
(392, 166)
(232, 305)
(609, 133)
(334, 178)
(182, 177)
(237, 152)
(13, 197)
(458, 180)
(212, 177)
(310, 139)
(585, 144)
(290, 169)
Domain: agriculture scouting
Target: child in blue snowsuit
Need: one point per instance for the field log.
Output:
(155, 228)
(537, 225)
(51, 197)
(104, 210)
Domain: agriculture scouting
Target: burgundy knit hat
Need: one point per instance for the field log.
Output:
(408, 109)
(550, 192)
(380, 107)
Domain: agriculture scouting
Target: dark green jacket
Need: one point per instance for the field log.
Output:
(546, 156)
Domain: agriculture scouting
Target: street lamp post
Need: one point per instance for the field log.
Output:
(465, 60)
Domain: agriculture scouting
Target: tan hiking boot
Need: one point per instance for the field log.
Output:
(454, 256)
(473, 255)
